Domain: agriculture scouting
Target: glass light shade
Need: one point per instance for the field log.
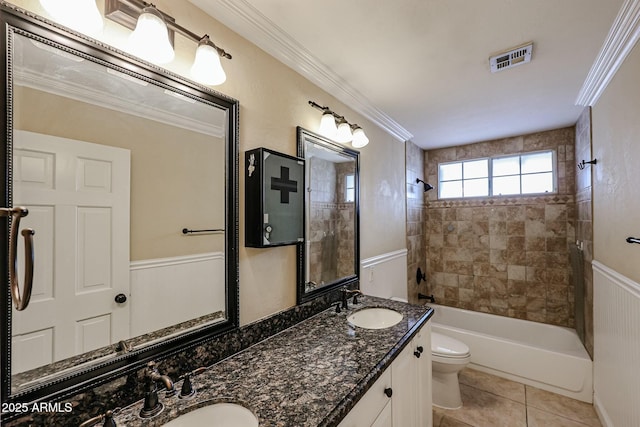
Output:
(359, 138)
(150, 39)
(328, 126)
(80, 15)
(344, 134)
(206, 67)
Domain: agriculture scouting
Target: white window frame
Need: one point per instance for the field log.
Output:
(490, 177)
(347, 188)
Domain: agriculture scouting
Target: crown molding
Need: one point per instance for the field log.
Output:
(247, 21)
(112, 101)
(622, 37)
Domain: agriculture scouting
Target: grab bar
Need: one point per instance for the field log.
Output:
(21, 301)
(212, 230)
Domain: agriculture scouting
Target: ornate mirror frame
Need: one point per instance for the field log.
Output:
(305, 136)
(17, 21)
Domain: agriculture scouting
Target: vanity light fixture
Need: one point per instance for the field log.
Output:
(328, 125)
(150, 39)
(206, 67)
(359, 137)
(344, 134)
(80, 15)
(343, 131)
(152, 36)
(156, 32)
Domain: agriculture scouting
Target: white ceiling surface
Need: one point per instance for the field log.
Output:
(424, 63)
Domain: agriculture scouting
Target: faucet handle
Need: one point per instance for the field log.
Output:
(356, 295)
(107, 417)
(187, 389)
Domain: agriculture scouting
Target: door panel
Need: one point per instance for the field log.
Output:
(385, 419)
(403, 379)
(77, 194)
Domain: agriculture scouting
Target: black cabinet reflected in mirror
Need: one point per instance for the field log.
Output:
(330, 255)
(113, 158)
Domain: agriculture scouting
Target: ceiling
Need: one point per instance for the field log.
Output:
(420, 68)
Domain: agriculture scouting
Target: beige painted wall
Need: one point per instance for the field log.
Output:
(616, 145)
(167, 180)
(273, 101)
(616, 216)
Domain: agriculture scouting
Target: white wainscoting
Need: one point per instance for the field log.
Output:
(616, 347)
(385, 275)
(167, 291)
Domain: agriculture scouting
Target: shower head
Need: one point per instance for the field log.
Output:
(427, 187)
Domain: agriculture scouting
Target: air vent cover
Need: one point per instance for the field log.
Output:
(511, 58)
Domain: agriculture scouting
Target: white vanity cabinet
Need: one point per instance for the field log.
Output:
(422, 341)
(374, 408)
(408, 380)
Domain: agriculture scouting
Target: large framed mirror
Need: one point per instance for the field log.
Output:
(329, 258)
(130, 176)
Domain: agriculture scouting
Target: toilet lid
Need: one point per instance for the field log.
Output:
(445, 346)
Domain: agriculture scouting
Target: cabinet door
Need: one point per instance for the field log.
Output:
(404, 384)
(385, 419)
(423, 374)
(371, 405)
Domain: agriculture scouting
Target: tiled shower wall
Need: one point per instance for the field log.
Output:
(584, 223)
(504, 255)
(331, 223)
(416, 214)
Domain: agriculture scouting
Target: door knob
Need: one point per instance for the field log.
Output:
(121, 298)
(388, 392)
(417, 354)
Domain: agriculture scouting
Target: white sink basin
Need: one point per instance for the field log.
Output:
(219, 414)
(374, 318)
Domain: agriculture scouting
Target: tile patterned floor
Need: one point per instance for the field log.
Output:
(490, 401)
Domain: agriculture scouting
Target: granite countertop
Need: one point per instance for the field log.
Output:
(308, 375)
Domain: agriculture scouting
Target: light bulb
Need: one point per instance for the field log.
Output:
(206, 67)
(150, 39)
(359, 138)
(328, 126)
(80, 15)
(344, 134)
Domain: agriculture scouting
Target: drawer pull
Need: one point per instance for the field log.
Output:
(388, 392)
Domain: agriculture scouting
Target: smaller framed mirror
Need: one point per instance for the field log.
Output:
(329, 258)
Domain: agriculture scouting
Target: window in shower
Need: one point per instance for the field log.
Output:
(350, 188)
(530, 173)
(464, 179)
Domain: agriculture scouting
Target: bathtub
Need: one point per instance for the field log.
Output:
(544, 356)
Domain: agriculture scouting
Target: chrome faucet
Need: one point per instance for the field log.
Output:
(152, 405)
(346, 293)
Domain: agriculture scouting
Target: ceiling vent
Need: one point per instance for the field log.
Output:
(511, 58)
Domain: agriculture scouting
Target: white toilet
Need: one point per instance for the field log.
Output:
(449, 356)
